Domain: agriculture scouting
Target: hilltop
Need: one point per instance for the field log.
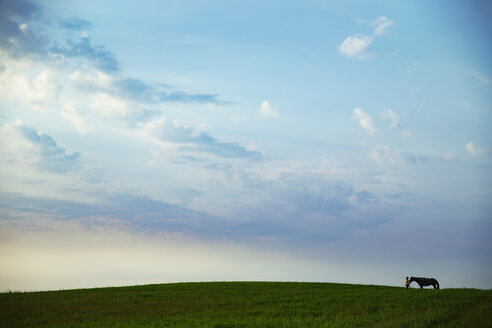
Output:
(248, 304)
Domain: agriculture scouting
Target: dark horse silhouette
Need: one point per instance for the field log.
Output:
(422, 282)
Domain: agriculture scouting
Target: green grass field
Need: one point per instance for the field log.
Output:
(248, 304)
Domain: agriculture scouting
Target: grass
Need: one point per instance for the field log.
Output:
(248, 304)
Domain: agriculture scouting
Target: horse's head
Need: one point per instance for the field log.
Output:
(407, 282)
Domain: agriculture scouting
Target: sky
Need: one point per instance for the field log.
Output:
(166, 141)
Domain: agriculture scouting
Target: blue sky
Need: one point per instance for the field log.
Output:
(276, 140)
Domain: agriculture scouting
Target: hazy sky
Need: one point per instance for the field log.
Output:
(157, 141)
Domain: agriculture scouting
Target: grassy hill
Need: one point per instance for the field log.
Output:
(248, 304)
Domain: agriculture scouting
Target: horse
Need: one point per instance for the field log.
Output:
(423, 282)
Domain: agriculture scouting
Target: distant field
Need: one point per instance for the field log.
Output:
(248, 304)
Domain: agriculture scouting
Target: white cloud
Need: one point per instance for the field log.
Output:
(192, 143)
(364, 120)
(73, 114)
(391, 116)
(45, 87)
(482, 79)
(355, 47)
(475, 150)
(21, 144)
(381, 24)
(92, 79)
(110, 106)
(386, 156)
(23, 27)
(267, 110)
(449, 155)
(406, 133)
(39, 91)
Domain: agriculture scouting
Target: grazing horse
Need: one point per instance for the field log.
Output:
(422, 282)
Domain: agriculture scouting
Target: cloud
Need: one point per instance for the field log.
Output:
(74, 24)
(22, 34)
(110, 106)
(135, 89)
(189, 139)
(392, 117)
(386, 156)
(475, 150)
(381, 24)
(267, 110)
(24, 28)
(101, 58)
(364, 197)
(406, 133)
(294, 210)
(364, 121)
(22, 144)
(355, 47)
(42, 90)
(188, 97)
(482, 79)
(449, 155)
(74, 115)
(16, 36)
(302, 209)
(19, 39)
(20, 8)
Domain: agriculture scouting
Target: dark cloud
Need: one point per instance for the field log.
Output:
(194, 142)
(120, 211)
(18, 8)
(387, 156)
(21, 34)
(298, 213)
(137, 90)
(366, 197)
(412, 159)
(309, 209)
(17, 35)
(206, 143)
(48, 146)
(74, 24)
(43, 150)
(102, 58)
(181, 96)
